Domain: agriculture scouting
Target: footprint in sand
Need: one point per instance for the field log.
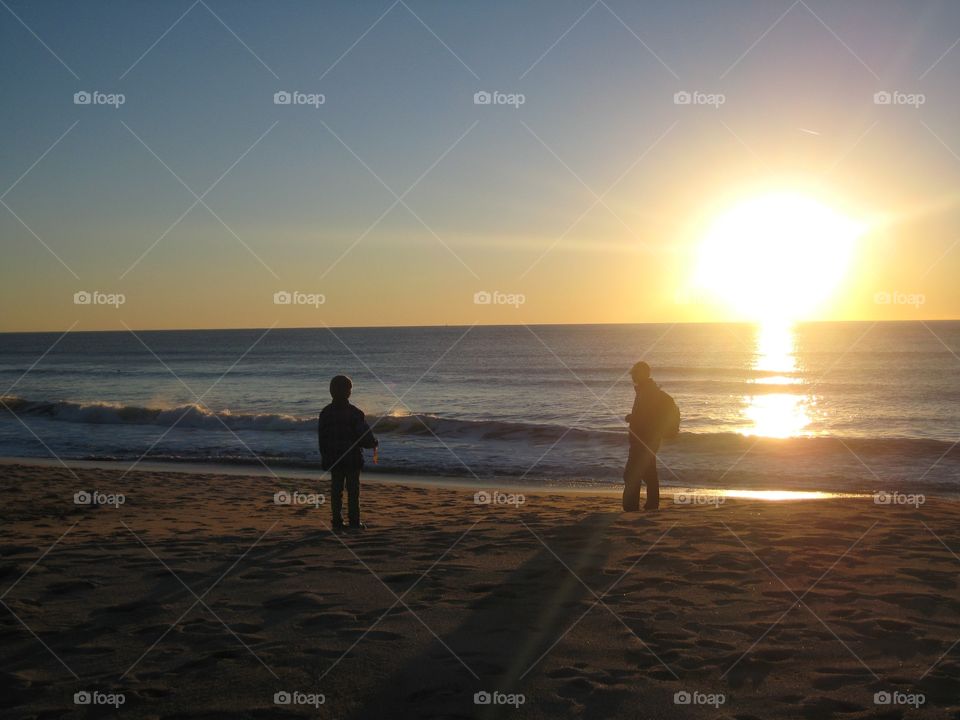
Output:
(823, 707)
(835, 679)
(296, 602)
(71, 586)
(576, 688)
(355, 633)
(775, 654)
(328, 620)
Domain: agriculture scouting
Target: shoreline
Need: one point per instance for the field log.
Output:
(414, 480)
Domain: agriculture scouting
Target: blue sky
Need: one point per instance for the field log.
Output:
(509, 198)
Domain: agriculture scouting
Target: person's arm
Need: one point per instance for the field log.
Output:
(323, 440)
(367, 438)
(633, 411)
(321, 430)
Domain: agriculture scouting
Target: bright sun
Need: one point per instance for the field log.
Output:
(776, 257)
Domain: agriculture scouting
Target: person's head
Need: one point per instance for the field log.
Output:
(640, 372)
(340, 387)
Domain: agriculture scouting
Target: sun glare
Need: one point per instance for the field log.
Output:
(776, 414)
(776, 257)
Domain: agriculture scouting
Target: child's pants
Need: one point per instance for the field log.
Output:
(350, 479)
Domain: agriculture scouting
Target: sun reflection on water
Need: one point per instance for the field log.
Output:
(776, 414)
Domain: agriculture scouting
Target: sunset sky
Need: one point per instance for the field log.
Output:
(591, 201)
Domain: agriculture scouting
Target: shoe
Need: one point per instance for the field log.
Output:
(358, 526)
(337, 526)
(651, 508)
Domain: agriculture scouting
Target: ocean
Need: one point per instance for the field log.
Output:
(850, 407)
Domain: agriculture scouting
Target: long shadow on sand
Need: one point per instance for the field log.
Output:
(506, 631)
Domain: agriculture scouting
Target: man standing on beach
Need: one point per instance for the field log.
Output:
(342, 433)
(654, 416)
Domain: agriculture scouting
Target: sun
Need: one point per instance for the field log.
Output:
(776, 257)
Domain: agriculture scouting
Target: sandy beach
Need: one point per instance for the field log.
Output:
(630, 329)
(201, 596)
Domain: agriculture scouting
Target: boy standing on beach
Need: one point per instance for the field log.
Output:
(342, 433)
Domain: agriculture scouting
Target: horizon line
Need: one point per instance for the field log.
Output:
(463, 325)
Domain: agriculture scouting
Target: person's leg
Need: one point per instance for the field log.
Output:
(652, 481)
(632, 479)
(353, 497)
(336, 496)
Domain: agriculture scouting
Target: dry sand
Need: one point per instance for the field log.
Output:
(199, 597)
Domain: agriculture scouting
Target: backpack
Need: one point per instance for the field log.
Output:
(669, 417)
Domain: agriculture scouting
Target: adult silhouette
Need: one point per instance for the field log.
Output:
(653, 417)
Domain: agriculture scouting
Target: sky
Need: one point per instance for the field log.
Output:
(183, 195)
